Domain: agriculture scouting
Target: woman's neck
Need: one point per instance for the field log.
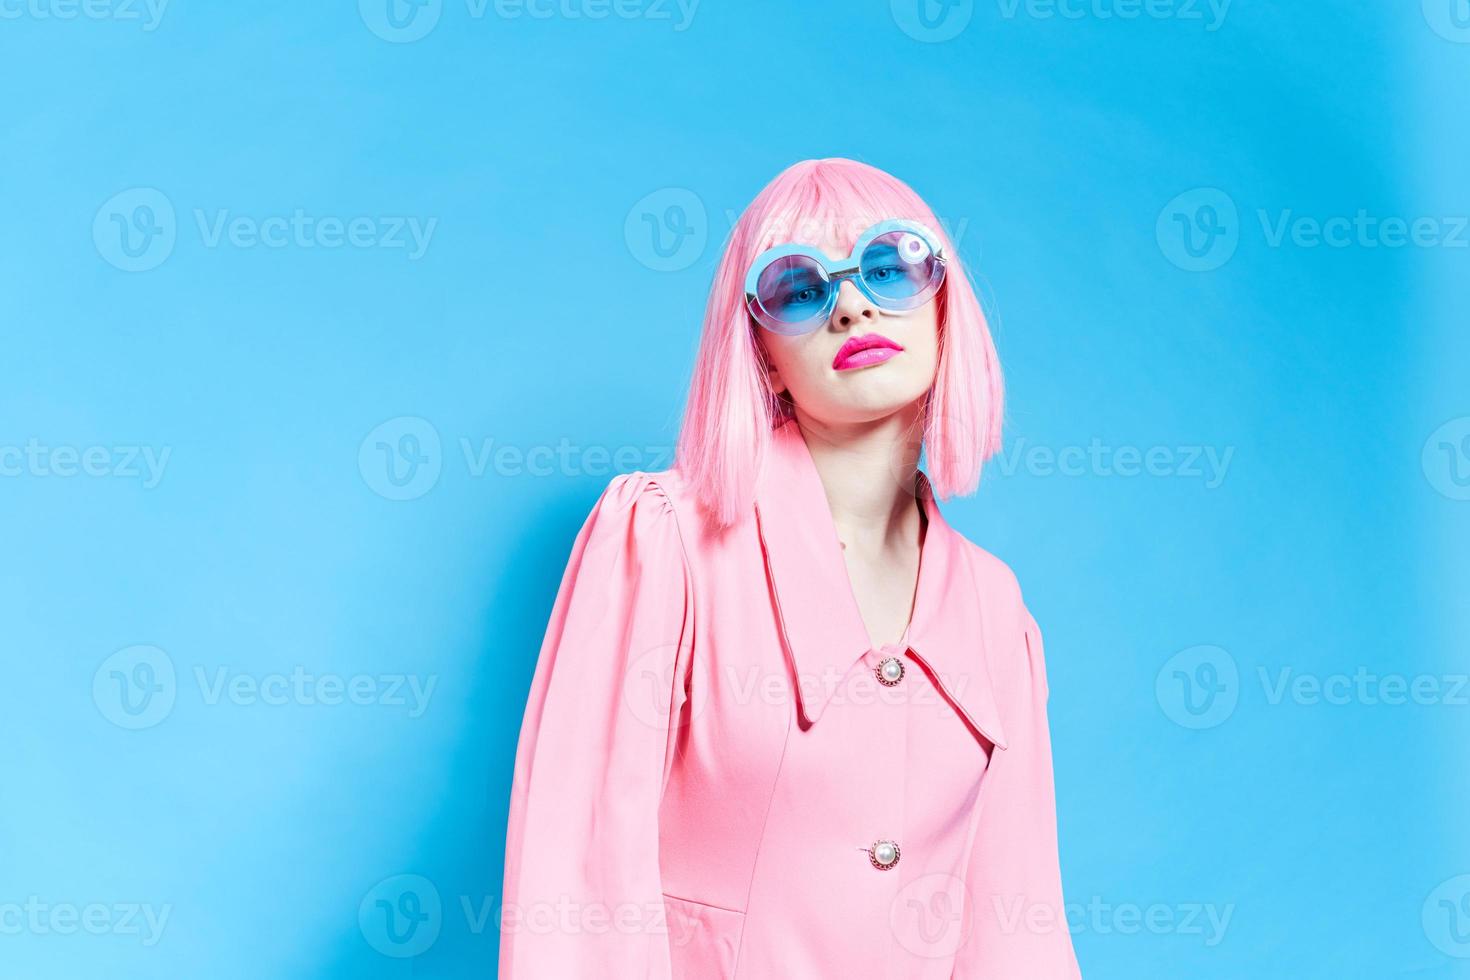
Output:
(868, 471)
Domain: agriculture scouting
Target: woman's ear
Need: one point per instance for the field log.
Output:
(773, 376)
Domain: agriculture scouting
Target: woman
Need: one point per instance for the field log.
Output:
(786, 722)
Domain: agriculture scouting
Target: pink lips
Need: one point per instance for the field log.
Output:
(872, 348)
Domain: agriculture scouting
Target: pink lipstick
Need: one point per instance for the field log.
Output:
(864, 351)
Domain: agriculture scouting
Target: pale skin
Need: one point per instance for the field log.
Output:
(863, 427)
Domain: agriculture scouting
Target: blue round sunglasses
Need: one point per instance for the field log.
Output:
(792, 289)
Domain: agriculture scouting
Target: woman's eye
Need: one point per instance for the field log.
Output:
(801, 295)
(886, 273)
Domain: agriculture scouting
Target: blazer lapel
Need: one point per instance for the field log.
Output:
(820, 621)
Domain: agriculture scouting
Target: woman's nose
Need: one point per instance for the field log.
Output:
(853, 308)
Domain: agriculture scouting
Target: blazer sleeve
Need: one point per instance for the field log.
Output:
(583, 895)
(1018, 922)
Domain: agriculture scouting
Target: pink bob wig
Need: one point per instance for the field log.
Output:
(731, 409)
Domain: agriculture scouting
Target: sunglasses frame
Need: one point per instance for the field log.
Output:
(838, 270)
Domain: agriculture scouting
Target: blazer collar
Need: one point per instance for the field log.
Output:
(822, 626)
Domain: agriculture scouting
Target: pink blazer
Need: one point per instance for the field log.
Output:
(717, 777)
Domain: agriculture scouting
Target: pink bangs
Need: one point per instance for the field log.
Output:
(731, 409)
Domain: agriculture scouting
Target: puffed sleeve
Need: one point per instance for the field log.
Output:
(583, 895)
(1018, 922)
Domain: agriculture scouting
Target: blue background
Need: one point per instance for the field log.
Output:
(582, 173)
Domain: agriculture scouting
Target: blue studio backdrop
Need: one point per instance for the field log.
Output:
(323, 325)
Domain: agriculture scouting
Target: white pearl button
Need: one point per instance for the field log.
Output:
(884, 854)
(890, 671)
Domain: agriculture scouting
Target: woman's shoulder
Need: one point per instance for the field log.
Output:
(657, 487)
(633, 529)
(994, 579)
(671, 493)
(999, 590)
(665, 491)
(652, 502)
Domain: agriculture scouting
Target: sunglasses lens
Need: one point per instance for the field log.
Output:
(901, 269)
(793, 290)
